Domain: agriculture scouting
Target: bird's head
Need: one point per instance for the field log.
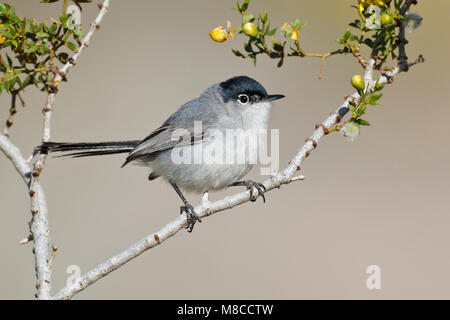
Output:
(243, 91)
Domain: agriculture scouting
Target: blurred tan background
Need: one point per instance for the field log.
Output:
(382, 200)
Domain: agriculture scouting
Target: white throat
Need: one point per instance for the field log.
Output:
(256, 116)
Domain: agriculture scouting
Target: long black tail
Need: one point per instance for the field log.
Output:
(86, 149)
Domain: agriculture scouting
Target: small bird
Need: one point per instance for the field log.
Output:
(239, 103)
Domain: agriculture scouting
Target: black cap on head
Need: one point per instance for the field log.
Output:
(233, 87)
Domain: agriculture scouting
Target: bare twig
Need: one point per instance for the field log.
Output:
(12, 112)
(420, 59)
(322, 56)
(298, 178)
(52, 258)
(363, 62)
(39, 227)
(26, 240)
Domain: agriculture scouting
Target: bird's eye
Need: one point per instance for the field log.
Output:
(243, 98)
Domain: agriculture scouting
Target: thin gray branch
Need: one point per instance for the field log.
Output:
(39, 226)
(15, 156)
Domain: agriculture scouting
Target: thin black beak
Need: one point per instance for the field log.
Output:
(273, 97)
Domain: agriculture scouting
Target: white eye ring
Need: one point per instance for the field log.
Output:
(243, 99)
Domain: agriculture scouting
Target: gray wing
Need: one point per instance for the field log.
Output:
(200, 109)
(164, 138)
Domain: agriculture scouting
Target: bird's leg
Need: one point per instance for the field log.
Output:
(191, 216)
(251, 185)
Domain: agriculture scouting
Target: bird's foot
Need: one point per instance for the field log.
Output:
(252, 185)
(191, 216)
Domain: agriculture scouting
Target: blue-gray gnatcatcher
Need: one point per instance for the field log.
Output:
(240, 104)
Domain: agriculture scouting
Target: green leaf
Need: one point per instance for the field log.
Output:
(41, 35)
(23, 24)
(238, 7)
(43, 49)
(361, 110)
(362, 122)
(347, 35)
(274, 55)
(33, 48)
(271, 32)
(263, 17)
(356, 24)
(351, 107)
(77, 32)
(71, 46)
(5, 44)
(2, 8)
(45, 27)
(237, 53)
(277, 46)
(63, 57)
(7, 34)
(248, 47)
(369, 42)
(379, 87)
(244, 5)
(6, 85)
(53, 28)
(64, 18)
(249, 18)
(12, 15)
(374, 98)
(27, 80)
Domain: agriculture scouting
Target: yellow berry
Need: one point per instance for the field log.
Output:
(295, 34)
(386, 19)
(219, 34)
(250, 29)
(358, 82)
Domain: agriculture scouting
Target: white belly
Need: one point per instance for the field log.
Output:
(211, 165)
(204, 166)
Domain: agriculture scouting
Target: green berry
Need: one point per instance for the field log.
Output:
(386, 19)
(358, 82)
(250, 29)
